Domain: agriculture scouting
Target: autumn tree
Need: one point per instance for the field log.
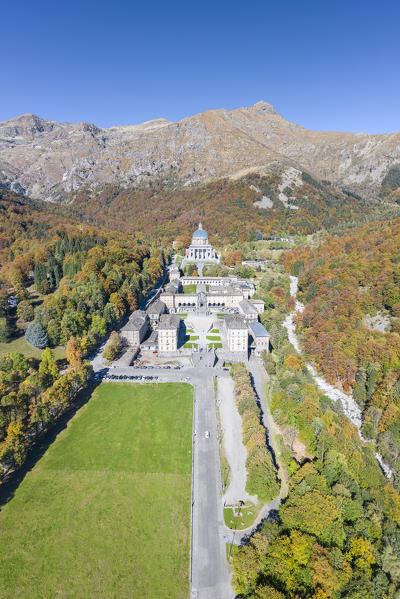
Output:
(74, 353)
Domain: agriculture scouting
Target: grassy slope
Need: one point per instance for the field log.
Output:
(105, 513)
(21, 345)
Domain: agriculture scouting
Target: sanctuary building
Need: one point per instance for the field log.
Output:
(200, 250)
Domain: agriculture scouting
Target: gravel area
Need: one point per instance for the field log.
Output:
(235, 452)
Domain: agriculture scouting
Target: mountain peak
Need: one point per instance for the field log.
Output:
(27, 124)
(262, 106)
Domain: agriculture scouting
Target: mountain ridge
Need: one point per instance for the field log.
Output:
(49, 160)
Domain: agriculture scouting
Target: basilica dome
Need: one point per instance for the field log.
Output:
(200, 233)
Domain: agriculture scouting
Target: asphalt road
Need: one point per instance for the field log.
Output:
(210, 575)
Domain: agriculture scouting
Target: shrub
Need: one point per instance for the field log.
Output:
(25, 311)
(36, 336)
(53, 332)
(247, 404)
(261, 475)
(5, 330)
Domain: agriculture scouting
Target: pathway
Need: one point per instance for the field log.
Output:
(235, 451)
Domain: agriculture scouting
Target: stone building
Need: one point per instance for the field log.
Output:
(214, 300)
(135, 330)
(259, 305)
(174, 272)
(246, 286)
(154, 311)
(200, 250)
(237, 334)
(168, 333)
(248, 310)
(260, 338)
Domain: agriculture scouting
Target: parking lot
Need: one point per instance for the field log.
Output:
(138, 378)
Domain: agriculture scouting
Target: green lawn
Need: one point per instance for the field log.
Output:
(106, 512)
(213, 337)
(214, 331)
(21, 345)
(190, 344)
(215, 345)
(189, 288)
(248, 513)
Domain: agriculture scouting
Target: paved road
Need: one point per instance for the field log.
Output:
(210, 573)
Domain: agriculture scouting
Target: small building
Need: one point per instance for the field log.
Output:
(154, 311)
(168, 333)
(135, 330)
(259, 305)
(248, 289)
(237, 333)
(248, 310)
(151, 343)
(174, 272)
(174, 286)
(260, 337)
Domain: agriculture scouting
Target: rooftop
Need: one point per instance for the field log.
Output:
(172, 287)
(151, 339)
(259, 330)
(169, 321)
(235, 322)
(247, 307)
(157, 307)
(136, 321)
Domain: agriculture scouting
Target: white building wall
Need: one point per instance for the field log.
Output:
(167, 340)
(238, 340)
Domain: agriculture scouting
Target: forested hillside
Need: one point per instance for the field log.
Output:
(337, 534)
(230, 210)
(351, 323)
(23, 219)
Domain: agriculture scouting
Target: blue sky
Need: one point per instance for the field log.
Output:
(325, 65)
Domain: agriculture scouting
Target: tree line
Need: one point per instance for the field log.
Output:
(261, 473)
(33, 397)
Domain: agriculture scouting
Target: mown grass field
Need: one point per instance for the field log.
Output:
(105, 514)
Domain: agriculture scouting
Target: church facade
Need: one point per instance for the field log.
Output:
(200, 250)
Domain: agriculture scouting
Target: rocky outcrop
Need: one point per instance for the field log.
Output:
(49, 160)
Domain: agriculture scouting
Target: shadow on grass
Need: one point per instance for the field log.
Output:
(14, 479)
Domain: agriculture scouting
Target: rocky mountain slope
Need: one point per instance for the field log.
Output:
(52, 161)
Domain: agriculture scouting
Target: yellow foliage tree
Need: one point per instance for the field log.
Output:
(74, 353)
